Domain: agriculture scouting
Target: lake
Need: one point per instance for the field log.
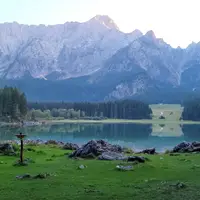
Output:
(136, 136)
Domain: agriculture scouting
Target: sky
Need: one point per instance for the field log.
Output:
(176, 21)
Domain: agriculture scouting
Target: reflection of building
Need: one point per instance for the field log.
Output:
(167, 134)
(167, 130)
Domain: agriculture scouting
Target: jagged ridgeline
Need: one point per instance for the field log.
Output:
(13, 104)
(95, 61)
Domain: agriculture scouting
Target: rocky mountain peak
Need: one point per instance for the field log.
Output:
(137, 33)
(150, 34)
(106, 21)
(192, 45)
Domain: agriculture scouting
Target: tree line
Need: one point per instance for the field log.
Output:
(191, 110)
(14, 107)
(124, 109)
(13, 104)
(35, 114)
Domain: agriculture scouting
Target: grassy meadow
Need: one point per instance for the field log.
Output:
(171, 112)
(163, 177)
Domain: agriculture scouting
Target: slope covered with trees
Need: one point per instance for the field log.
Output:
(13, 104)
(125, 109)
(191, 110)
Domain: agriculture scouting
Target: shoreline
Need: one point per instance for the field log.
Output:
(182, 147)
(106, 121)
(119, 121)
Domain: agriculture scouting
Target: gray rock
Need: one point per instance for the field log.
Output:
(70, 146)
(139, 159)
(25, 176)
(124, 168)
(112, 156)
(95, 148)
(196, 144)
(149, 151)
(182, 147)
(195, 149)
(7, 149)
(82, 167)
(178, 185)
(41, 176)
(186, 147)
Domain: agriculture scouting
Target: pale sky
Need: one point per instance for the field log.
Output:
(176, 21)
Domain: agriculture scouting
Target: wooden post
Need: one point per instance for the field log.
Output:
(21, 152)
(21, 137)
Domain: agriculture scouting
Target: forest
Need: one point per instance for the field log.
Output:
(191, 110)
(14, 107)
(13, 104)
(124, 109)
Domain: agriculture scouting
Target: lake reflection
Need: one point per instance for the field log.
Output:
(136, 136)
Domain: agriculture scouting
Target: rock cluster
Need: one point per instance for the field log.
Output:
(187, 147)
(104, 151)
(95, 148)
(149, 151)
(7, 149)
(38, 176)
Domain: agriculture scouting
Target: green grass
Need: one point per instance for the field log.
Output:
(171, 112)
(154, 180)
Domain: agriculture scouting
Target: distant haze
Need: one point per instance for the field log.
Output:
(176, 21)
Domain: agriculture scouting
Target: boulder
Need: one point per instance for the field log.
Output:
(124, 168)
(70, 146)
(182, 147)
(195, 149)
(41, 176)
(38, 176)
(24, 176)
(82, 167)
(186, 147)
(95, 148)
(139, 159)
(7, 149)
(196, 144)
(149, 151)
(112, 156)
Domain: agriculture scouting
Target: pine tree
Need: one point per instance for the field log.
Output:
(23, 105)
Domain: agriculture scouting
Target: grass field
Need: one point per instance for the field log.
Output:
(171, 112)
(163, 177)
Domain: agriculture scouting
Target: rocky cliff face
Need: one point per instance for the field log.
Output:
(96, 59)
(68, 50)
(148, 62)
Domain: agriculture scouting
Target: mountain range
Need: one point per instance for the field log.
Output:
(95, 61)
